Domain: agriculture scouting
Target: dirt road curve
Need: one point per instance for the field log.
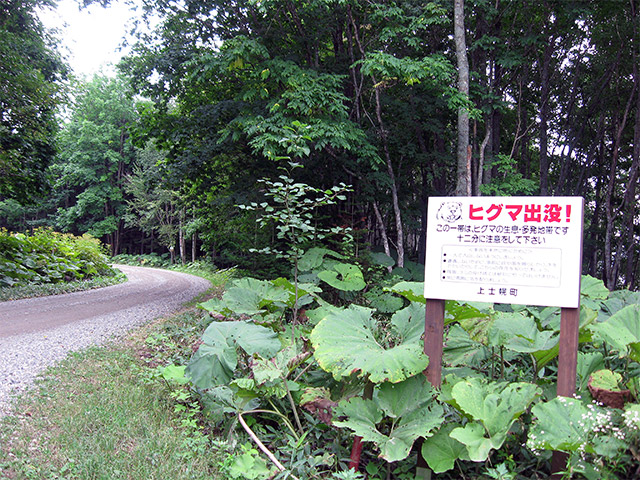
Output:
(145, 286)
(38, 332)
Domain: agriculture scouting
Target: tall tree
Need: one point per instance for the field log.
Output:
(353, 72)
(31, 75)
(463, 185)
(154, 207)
(96, 154)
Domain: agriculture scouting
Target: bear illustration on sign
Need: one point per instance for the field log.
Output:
(449, 212)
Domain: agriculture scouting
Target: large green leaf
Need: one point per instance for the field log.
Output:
(622, 331)
(221, 399)
(382, 259)
(441, 450)
(520, 333)
(384, 302)
(317, 314)
(344, 276)
(303, 291)
(213, 364)
(249, 296)
(561, 424)
(409, 322)
(494, 407)
(587, 364)
(345, 343)
(617, 300)
(593, 292)
(606, 379)
(410, 406)
(593, 288)
(314, 258)
(460, 349)
(587, 316)
(362, 416)
(401, 399)
(261, 292)
(412, 291)
(472, 436)
(276, 369)
(249, 466)
(216, 359)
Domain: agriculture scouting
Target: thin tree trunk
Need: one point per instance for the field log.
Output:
(612, 264)
(383, 231)
(629, 202)
(481, 156)
(181, 240)
(394, 185)
(463, 186)
(544, 118)
(385, 144)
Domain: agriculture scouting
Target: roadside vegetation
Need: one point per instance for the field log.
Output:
(48, 263)
(45, 289)
(317, 378)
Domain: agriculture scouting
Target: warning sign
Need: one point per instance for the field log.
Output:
(524, 250)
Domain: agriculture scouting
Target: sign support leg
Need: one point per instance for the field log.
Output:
(433, 346)
(567, 371)
(433, 341)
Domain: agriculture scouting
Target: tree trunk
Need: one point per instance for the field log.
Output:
(481, 157)
(629, 203)
(463, 186)
(611, 264)
(383, 231)
(387, 156)
(394, 185)
(544, 118)
(181, 239)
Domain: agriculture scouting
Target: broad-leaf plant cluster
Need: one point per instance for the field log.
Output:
(342, 385)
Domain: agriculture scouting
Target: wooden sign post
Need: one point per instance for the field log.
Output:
(433, 341)
(519, 250)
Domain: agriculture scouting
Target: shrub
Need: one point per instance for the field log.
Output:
(46, 256)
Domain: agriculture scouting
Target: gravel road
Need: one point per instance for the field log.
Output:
(36, 333)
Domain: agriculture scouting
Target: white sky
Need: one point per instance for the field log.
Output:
(90, 37)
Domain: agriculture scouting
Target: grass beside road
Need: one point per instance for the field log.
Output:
(105, 413)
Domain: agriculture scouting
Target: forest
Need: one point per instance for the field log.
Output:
(394, 100)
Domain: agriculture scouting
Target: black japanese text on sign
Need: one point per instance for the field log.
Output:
(522, 250)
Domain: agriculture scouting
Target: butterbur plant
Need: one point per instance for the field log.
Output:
(352, 376)
(396, 416)
(602, 442)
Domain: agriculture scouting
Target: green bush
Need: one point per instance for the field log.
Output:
(46, 256)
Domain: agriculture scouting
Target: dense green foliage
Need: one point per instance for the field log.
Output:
(49, 257)
(95, 156)
(30, 93)
(553, 108)
(350, 370)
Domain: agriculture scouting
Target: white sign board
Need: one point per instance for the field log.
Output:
(523, 250)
